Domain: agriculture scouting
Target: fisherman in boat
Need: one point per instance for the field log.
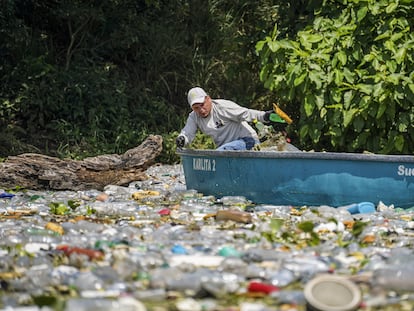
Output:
(223, 120)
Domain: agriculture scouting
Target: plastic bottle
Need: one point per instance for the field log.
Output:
(221, 284)
(234, 215)
(282, 277)
(295, 297)
(398, 278)
(361, 208)
(6, 195)
(274, 117)
(88, 281)
(234, 200)
(89, 304)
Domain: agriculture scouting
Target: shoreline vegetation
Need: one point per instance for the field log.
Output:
(83, 79)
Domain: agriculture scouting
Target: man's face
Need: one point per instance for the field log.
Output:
(203, 109)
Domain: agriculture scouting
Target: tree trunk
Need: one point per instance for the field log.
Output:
(41, 172)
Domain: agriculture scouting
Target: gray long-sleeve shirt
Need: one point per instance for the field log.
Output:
(226, 122)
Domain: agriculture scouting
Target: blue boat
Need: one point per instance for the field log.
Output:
(301, 178)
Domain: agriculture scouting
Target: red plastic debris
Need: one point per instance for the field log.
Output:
(259, 287)
(165, 212)
(91, 253)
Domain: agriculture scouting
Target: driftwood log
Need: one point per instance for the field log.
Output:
(41, 172)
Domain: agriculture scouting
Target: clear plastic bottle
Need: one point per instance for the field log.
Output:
(398, 278)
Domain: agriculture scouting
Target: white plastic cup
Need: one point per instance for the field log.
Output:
(328, 292)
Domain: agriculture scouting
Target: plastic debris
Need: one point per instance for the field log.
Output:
(234, 215)
(154, 244)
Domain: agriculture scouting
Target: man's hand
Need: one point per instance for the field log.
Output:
(180, 141)
(266, 117)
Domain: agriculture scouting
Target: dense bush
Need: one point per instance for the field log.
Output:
(81, 77)
(85, 77)
(350, 74)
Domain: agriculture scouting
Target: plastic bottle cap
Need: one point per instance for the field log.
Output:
(328, 292)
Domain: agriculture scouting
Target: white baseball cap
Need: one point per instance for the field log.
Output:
(196, 95)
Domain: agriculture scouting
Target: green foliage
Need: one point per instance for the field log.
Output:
(358, 228)
(58, 208)
(276, 224)
(74, 204)
(202, 141)
(80, 78)
(350, 74)
(168, 154)
(307, 227)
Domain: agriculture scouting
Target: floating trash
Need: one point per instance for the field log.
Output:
(155, 245)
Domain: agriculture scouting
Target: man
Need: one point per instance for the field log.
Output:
(223, 120)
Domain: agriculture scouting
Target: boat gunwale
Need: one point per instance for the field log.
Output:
(297, 155)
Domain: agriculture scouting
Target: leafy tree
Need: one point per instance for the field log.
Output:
(350, 74)
(80, 77)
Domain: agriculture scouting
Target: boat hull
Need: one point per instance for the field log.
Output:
(301, 178)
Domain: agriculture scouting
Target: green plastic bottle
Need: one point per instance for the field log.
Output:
(274, 117)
